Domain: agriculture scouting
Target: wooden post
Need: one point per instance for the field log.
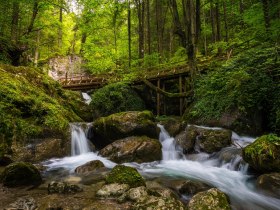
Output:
(164, 99)
(158, 98)
(181, 99)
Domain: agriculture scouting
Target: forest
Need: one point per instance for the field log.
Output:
(185, 110)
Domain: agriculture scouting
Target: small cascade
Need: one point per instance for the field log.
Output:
(86, 97)
(169, 151)
(79, 141)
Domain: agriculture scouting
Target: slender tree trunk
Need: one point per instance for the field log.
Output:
(34, 15)
(218, 25)
(197, 22)
(129, 32)
(15, 20)
(60, 25)
(212, 15)
(148, 27)
(140, 10)
(225, 20)
(159, 24)
(266, 14)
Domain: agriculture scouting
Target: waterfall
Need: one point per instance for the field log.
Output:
(86, 97)
(79, 141)
(169, 151)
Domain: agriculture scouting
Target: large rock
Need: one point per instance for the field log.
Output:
(190, 187)
(207, 140)
(21, 174)
(264, 154)
(210, 199)
(173, 125)
(89, 166)
(125, 175)
(63, 188)
(270, 183)
(112, 190)
(133, 149)
(122, 125)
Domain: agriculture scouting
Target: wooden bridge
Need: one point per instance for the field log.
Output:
(158, 79)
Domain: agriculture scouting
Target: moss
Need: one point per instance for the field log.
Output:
(20, 173)
(125, 175)
(114, 98)
(32, 103)
(264, 153)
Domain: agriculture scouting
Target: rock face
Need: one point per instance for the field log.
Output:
(21, 174)
(122, 125)
(125, 175)
(264, 154)
(89, 166)
(210, 199)
(270, 183)
(133, 149)
(207, 140)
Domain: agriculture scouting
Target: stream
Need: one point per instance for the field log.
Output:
(230, 175)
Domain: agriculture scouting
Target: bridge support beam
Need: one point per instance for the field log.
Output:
(158, 98)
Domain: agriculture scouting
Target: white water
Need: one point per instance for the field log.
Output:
(86, 97)
(79, 141)
(230, 177)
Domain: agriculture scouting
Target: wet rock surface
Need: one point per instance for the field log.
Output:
(133, 149)
(89, 167)
(270, 183)
(122, 125)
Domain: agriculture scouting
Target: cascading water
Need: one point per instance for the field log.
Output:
(86, 97)
(230, 175)
(79, 141)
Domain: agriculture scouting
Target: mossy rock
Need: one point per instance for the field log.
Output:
(124, 124)
(210, 199)
(125, 175)
(264, 153)
(21, 174)
(133, 149)
(114, 98)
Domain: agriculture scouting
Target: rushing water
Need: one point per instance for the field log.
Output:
(228, 174)
(86, 97)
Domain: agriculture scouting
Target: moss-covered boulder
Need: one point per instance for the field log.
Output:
(125, 175)
(89, 166)
(207, 140)
(122, 125)
(269, 183)
(210, 199)
(20, 174)
(133, 149)
(264, 154)
(63, 188)
(114, 98)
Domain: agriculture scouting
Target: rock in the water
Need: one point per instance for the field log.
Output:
(23, 203)
(112, 190)
(172, 125)
(21, 174)
(264, 154)
(89, 166)
(207, 140)
(122, 125)
(190, 187)
(210, 199)
(63, 188)
(125, 175)
(133, 149)
(270, 183)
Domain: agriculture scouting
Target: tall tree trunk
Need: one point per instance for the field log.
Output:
(197, 21)
(60, 25)
(129, 32)
(212, 15)
(266, 14)
(148, 27)
(159, 25)
(15, 19)
(218, 25)
(140, 12)
(225, 20)
(34, 15)
(177, 23)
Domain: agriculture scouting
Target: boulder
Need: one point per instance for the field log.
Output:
(264, 154)
(122, 125)
(24, 203)
(112, 190)
(125, 175)
(172, 125)
(63, 188)
(89, 166)
(21, 174)
(210, 199)
(207, 140)
(270, 183)
(133, 149)
(190, 187)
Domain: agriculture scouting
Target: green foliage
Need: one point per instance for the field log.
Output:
(116, 97)
(245, 84)
(125, 175)
(31, 102)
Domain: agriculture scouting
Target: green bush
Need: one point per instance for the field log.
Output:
(245, 83)
(114, 98)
